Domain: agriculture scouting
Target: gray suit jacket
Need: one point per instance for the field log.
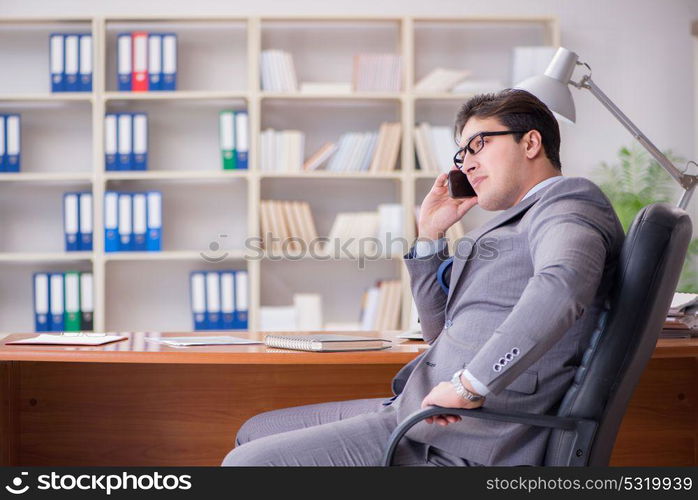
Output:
(525, 294)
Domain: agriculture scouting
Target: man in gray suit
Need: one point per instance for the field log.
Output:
(508, 329)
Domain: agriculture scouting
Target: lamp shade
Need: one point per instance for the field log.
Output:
(552, 87)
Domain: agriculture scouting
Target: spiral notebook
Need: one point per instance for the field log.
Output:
(326, 342)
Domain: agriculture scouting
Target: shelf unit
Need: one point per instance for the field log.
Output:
(218, 68)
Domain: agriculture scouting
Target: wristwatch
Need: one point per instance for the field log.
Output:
(461, 390)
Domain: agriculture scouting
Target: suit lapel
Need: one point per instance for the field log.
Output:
(470, 240)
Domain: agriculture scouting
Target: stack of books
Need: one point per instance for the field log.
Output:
(682, 318)
(146, 61)
(368, 151)
(278, 72)
(70, 56)
(132, 221)
(304, 315)
(381, 305)
(219, 299)
(282, 150)
(10, 143)
(234, 139)
(77, 221)
(63, 302)
(286, 225)
(377, 73)
(359, 233)
(441, 80)
(435, 147)
(126, 141)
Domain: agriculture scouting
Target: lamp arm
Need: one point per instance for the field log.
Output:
(687, 182)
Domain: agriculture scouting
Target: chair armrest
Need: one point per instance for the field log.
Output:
(552, 421)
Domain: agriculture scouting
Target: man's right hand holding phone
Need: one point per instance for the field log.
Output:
(439, 210)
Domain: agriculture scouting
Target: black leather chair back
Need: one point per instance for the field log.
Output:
(648, 270)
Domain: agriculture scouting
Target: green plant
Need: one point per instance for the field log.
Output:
(638, 180)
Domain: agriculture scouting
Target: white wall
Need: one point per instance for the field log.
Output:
(641, 53)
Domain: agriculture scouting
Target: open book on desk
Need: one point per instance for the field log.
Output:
(77, 338)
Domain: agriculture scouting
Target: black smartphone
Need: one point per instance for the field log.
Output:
(459, 185)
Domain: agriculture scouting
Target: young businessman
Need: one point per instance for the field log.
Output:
(509, 330)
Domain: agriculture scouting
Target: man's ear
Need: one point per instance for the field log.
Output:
(533, 144)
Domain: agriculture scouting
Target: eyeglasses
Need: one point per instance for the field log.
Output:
(477, 142)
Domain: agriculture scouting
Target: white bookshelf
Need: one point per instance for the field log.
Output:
(218, 68)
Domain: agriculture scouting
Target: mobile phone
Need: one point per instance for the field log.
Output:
(459, 185)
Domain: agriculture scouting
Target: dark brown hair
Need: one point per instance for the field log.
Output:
(517, 110)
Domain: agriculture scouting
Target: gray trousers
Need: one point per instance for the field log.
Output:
(345, 433)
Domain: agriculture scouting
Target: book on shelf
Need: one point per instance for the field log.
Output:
(282, 220)
(278, 71)
(434, 147)
(319, 157)
(478, 86)
(327, 342)
(381, 306)
(386, 153)
(441, 80)
(282, 150)
(63, 302)
(10, 142)
(146, 61)
(377, 73)
(70, 62)
(326, 88)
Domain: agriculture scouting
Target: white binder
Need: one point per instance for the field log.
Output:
(154, 62)
(198, 300)
(140, 141)
(125, 222)
(85, 67)
(110, 142)
(125, 147)
(111, 221)
(85, 242)
(139, 222)
(213, 300)
(56, 62)
(72, 52)
(124, 66)
(71, 210)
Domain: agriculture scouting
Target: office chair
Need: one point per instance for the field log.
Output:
(586, 423)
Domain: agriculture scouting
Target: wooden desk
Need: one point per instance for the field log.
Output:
(142, 403)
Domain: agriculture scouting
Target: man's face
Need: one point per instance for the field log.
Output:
(497, 171)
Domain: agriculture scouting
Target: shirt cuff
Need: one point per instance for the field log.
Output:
(479, 387)
(425, 248)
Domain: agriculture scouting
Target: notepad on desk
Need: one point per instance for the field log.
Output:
(202, 340)
(89, 339)
(326, 342)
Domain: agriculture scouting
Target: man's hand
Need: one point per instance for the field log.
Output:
(439, 211)
(445, 395)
